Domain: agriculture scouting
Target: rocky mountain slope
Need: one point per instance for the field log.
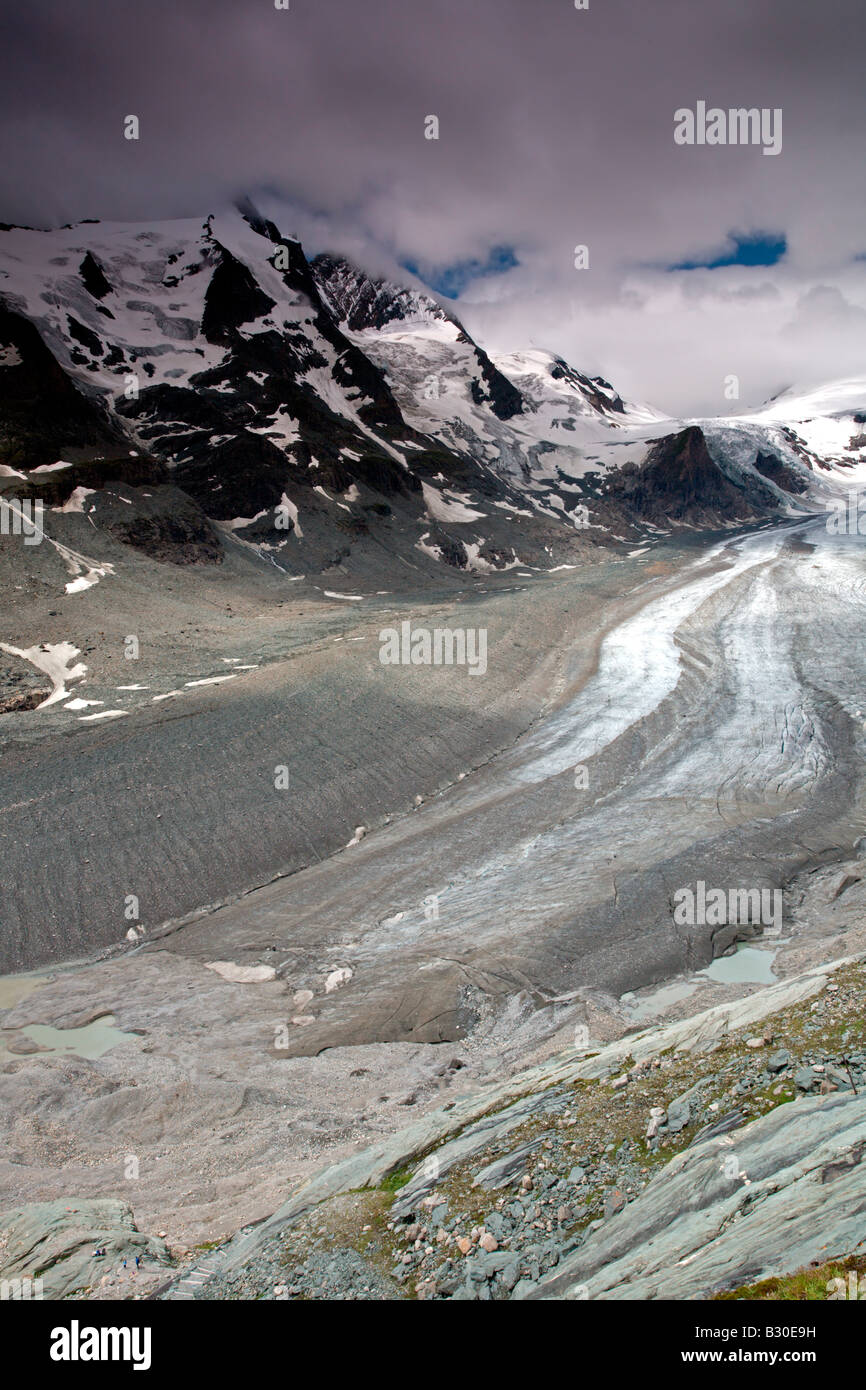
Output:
(680, 1161)
(327, 419)
(208, 353)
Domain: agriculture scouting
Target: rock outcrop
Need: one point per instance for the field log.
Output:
(784, 1191)
(679, 481)
(515, 1192)
(57, 1243)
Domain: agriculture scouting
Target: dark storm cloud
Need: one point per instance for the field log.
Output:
(556, 128)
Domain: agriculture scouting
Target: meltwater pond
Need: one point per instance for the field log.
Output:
(91, 1041)
(749, 965)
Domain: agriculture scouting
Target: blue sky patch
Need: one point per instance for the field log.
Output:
(451, 280)
(761, 248)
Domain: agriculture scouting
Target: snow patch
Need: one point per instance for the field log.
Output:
(54, 660)
(211, 680)
(292, 510)
(75, 500)
(440, 508)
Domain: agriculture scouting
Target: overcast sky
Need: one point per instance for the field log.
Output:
(556, 128)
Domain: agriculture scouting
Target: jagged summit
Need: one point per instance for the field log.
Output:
(324, 416)
(360, 301)
(367, 306)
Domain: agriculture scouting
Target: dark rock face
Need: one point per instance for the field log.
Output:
(613, 401)
(598, 392)
(54, 488)
(779, 473)
(94, 277)
(679, 481)
(237, 478)
(167, 526)
(86, 337)
(504, 398)
(453, 551)
(233, 298)
(263, 225)
(796, 443)
(363, 303)
(42, 415)
(385, 476)
(160, 409)
(357, 372)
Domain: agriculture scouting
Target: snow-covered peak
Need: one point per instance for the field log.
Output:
(212, 351)
(546, 379)
(824, 425)
(107, 295)
(844, 397)
(360, 302)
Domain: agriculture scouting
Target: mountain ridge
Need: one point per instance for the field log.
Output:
(319, 414)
